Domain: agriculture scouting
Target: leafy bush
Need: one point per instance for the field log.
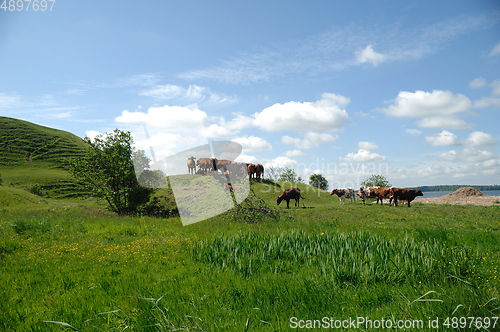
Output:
(376, 180)
(35, 189)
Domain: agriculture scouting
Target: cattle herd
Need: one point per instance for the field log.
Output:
(214, 166)
(394, 194)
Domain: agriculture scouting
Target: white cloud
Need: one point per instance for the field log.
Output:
(496, 88)
(369, 55)
(477, 83)
(443, 122)
(369, 146)
(445, 138)
(239, 122)
(244, 158)
(216, 131)
(293, 153)
(92, 134)
(192, 93)
(413, 132)
(495, 51)
(324, 115)
(422, 104)
(253, 144)
(363, 156)
(487, 102)
(166, 117)
(281, 162)
(478, 138)
(310, 140)
(468, 155)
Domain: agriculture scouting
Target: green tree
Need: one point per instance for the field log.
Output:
(289, 175)
(107, 170)
(376, 181)
(318, 181)
(153, 179)
(141, 161)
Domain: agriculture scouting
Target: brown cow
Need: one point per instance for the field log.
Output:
(251, 170)
(342, 194)
(405, 195)
(381, 193)
(222, 165)
(287, 195)
(259, 170)
(207, 164)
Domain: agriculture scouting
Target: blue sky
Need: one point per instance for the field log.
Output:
(409, 90)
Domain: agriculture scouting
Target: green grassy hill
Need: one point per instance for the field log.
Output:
(32, 158)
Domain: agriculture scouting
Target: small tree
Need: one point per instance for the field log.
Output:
(141, 161)
(289, 175)
(376, 181)
(107, 170)
(318, 181)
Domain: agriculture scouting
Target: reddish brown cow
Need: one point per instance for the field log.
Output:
(259, 170)
(251, 170)
(288, 194)
(405, 195)
(207, 164)
(381, 193)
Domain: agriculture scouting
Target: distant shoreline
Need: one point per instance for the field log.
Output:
(455, 187)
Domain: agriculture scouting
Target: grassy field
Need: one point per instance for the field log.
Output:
(69, 261)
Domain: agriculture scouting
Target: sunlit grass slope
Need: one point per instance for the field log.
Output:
(33, 156)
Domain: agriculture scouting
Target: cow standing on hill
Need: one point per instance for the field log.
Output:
(405, 195)
(191, 165)
(259, 170)
(251, 170)
(366, 192)
(287, 195)
(342, 194)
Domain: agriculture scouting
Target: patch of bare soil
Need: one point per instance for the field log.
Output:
(462, 196)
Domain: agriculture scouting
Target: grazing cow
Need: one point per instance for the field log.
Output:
(207, 164)
(342, 194)
(366, 192)
(405, 195)
(287, 195)
(259, 170)
(383, 192)
(251, 170)
(191, 165)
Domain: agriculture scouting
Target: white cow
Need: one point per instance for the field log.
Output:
(343, 194)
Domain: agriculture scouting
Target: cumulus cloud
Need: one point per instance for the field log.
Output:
(446, 138)
(166, 117)
(324, 115)
(468, 154)
(310, 140)
(438, 109)
(369, 146)
(281, 162)
(477, 83)
(363, 156)
(487, 102)
(293, 153)
(369, 55)
(92, 134)
(495, 51)
(253, 144)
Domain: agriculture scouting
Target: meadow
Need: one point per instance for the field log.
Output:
(69, 264)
